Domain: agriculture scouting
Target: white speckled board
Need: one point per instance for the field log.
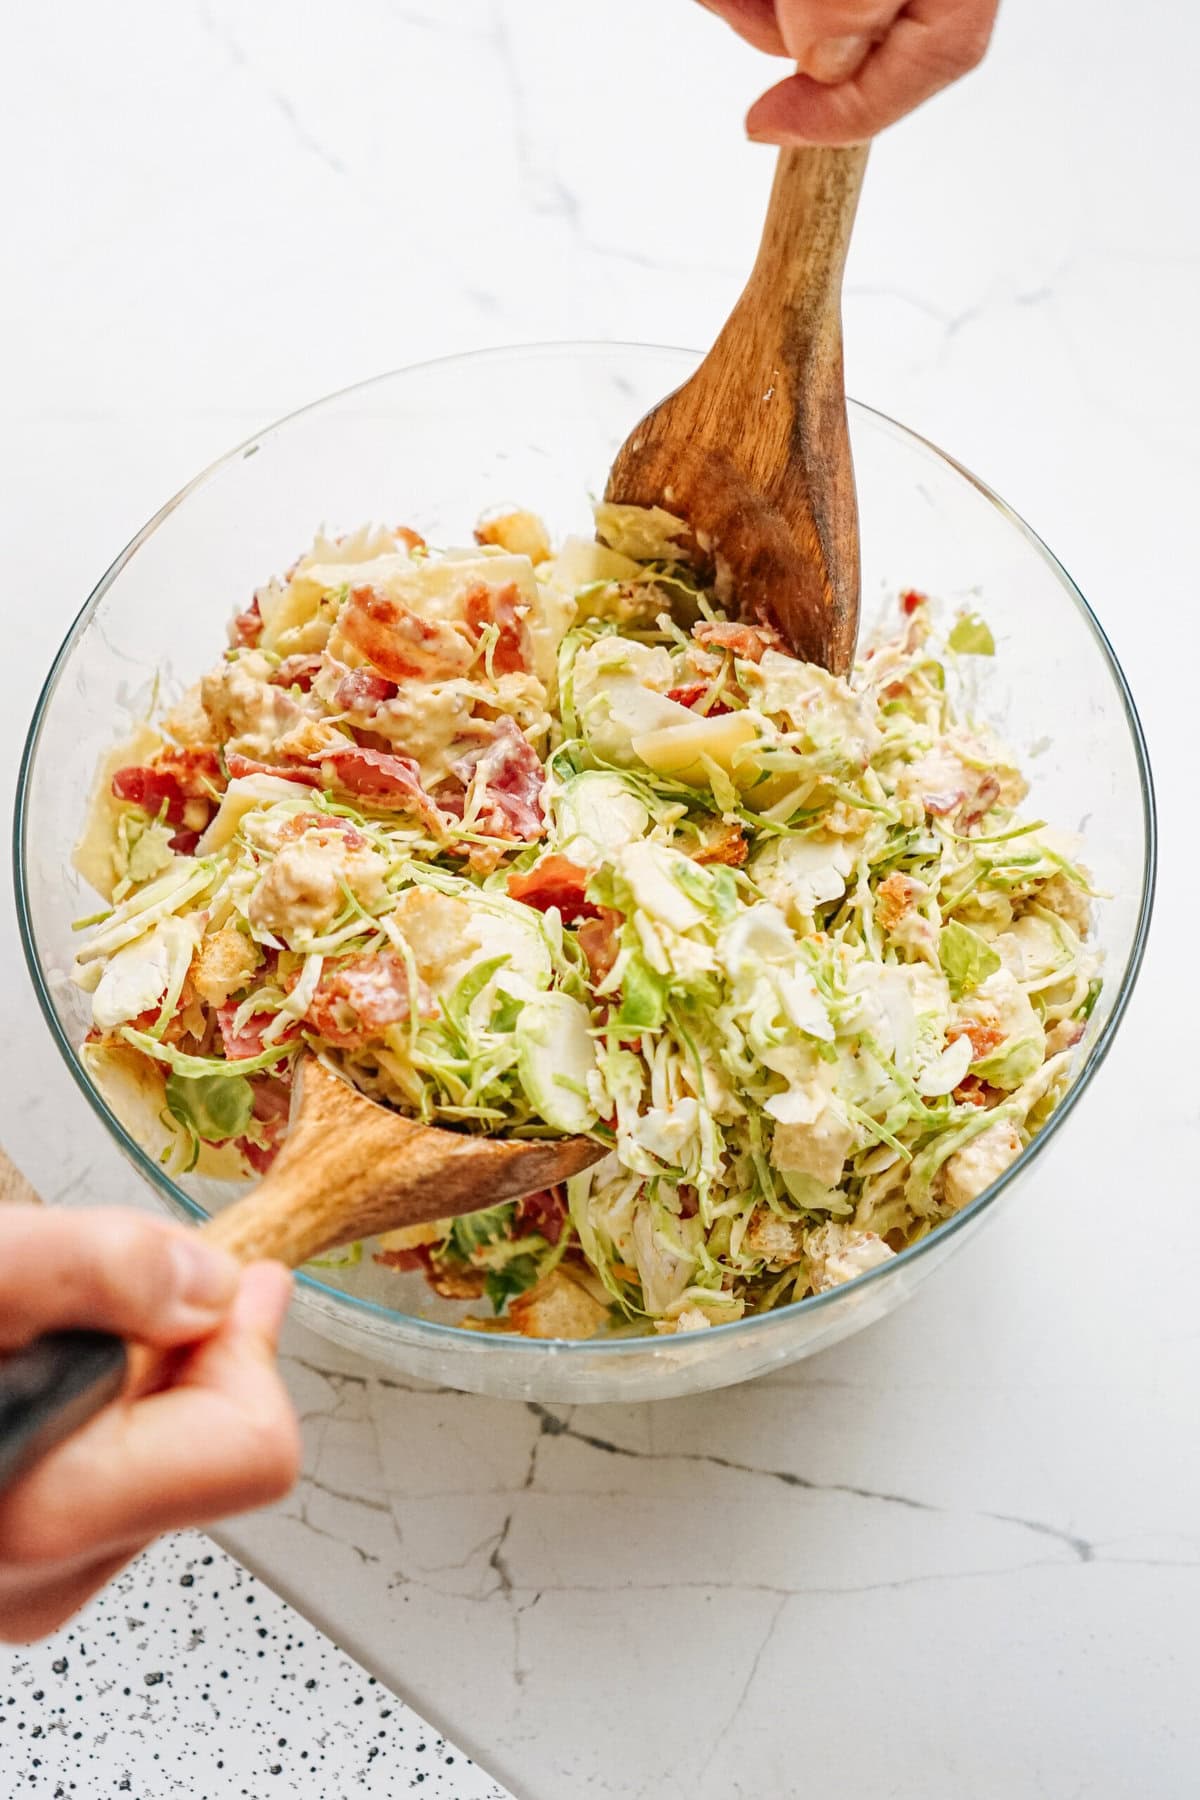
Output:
(189, 1679)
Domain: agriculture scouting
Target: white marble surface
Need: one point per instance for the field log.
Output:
(958, 1556)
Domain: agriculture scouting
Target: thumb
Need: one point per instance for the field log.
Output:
(110, 1268)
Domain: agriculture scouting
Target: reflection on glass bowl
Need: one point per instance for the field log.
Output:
(433, 445)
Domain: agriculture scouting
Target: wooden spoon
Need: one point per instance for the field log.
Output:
(753, 452)
(347, 1169)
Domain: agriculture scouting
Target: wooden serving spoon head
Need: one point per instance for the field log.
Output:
(753, 452)
(349, 1168)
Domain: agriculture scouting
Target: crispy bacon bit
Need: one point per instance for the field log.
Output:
(689, 1200)
(240, 766)
(729, 846)
(544, 1213)
(984, 1038)
(894, 899)
(239, 1045)
(377, 775)
(509, 778)
(195, 768)
(910, 600)
(555, 881)
(985, 797)
(694, 692)
(326, 824)
(356, 1000)
(362, 690)
(419, 1257)
(971, 1091)
(296, 671)
(245, 628)
(272, 1106)
(399, 642)
(747, 642)
(484, 606)
(151, 789)
(600, 941)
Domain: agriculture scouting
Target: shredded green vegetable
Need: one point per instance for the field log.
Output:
(532, 843)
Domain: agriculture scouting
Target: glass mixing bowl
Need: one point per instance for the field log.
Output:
(433, 446)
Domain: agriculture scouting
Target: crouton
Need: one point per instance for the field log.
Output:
(556, 1307)
(223, 965)
(515, 530)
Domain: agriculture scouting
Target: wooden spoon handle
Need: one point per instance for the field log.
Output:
(806, 235)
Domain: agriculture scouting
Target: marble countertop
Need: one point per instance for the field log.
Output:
(959, 1555)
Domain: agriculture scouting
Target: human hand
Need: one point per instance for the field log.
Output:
(205, 1429)
(860, 64)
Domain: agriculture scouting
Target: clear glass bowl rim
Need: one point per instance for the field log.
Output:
(446, 1336)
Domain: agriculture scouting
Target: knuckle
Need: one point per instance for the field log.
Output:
(965, 47)
(972, 48)
(131, 1273)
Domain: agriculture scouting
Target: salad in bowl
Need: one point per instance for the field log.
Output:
(529, 838)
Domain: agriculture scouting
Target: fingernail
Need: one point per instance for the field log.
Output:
(836, 59)
(205, 1279)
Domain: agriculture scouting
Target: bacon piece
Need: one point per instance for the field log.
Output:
(971, 1091)
(272, 1108)
(327, 824)
(362, 690)
(197, 769)
(942, 804)
(240, 766)
(483, 606)
(419, 1257)
(399, 642)
(985, 796)
(296, 671)
(377, 775)
(240, 1045)
(509, 774)
(555, 881)
(544, 1213)
(356, 1000)
(600, 941)
(149, 788)
(747, 642)
(694, 691)
(984, 1038)
(245, 628)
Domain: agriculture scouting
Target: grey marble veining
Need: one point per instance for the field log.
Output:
(957, 1556)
